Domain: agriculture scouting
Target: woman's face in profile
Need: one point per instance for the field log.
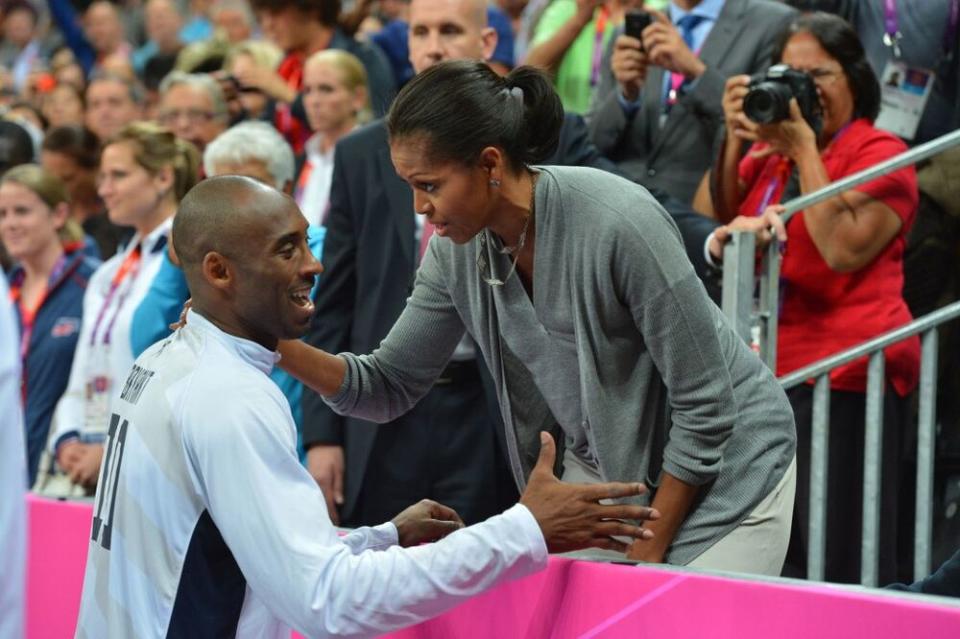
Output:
(128, 191)
(454, 197)
(804, 53)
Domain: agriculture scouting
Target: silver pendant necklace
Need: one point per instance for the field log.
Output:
(518, 247)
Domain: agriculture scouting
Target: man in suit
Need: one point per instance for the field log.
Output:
(657, 108)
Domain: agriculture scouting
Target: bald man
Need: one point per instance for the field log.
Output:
(205, 523)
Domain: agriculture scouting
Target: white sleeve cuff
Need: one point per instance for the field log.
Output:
(527, 526)
(372, 538)
(707, 256)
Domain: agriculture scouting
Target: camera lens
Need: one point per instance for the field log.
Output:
(768, 102)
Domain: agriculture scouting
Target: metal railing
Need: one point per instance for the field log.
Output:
(738, 304)
(820, 373)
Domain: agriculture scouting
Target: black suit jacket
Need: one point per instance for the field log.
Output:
(369, 258)
(945, 582)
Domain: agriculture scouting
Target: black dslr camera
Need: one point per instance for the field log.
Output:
(768, 99)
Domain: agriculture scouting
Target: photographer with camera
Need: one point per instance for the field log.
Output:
(811, 123)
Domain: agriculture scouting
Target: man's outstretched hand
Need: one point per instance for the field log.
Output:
(424, 522)
(570, 515)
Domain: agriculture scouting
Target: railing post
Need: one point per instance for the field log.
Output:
(923, 528)
(872, 461)
(738, 268)
(770, 304)
(819, 452)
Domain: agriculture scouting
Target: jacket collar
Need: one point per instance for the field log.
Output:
(263, 359)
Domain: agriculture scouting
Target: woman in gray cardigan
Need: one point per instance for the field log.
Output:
(575, 285)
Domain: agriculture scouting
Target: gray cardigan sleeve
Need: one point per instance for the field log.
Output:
(385, 384)
(680, 327)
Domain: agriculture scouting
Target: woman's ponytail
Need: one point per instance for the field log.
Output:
(461, 107)
(542, 115)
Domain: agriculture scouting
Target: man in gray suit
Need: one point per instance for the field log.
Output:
(657, 108)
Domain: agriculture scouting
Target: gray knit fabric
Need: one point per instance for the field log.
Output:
(550, 356)
(664, 383)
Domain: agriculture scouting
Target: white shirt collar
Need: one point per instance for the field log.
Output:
(312, 145)
(249, 351)
(149, 243)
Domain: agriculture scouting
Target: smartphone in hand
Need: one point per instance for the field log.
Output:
(635, 22)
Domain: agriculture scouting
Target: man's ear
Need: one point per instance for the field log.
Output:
(217, 271)
(488, 42)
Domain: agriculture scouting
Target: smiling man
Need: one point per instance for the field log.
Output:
(205, 523)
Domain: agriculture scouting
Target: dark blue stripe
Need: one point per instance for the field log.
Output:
(211, 589)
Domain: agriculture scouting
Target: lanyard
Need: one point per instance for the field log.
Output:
(781, 172)
(601, 27)
(28, 316)
(129, 266)
(301, 189)
(891, 32)
(891, 29)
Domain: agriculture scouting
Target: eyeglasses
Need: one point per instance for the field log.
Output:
(824, 77)
(193, 116)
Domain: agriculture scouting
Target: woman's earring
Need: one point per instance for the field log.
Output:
(494, 183)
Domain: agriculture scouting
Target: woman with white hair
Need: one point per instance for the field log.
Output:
(254, 149)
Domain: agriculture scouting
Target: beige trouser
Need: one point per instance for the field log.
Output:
(757, 546)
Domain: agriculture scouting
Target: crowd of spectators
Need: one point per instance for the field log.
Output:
(111, 111)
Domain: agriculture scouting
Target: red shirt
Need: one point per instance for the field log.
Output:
(822, 311)
(291, 70)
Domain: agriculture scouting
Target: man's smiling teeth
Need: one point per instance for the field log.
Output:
(301, 298)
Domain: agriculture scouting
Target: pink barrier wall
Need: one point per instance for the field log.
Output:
(569, 599)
